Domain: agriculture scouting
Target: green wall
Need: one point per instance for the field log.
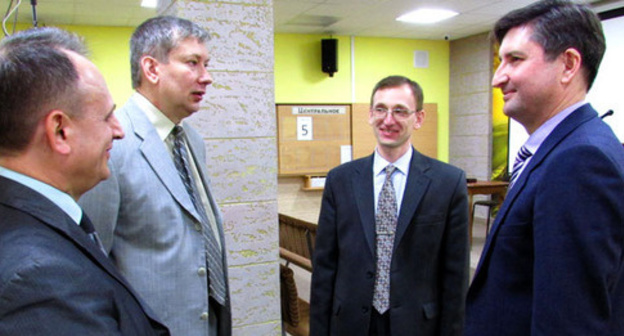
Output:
(299, 79)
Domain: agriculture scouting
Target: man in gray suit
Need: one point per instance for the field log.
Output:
(156, 214)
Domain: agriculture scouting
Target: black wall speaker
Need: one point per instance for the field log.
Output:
(329, 56)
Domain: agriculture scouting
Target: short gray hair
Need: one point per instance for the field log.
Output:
(156, 37)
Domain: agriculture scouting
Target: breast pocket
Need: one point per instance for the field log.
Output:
(430, 219)
(512, 230)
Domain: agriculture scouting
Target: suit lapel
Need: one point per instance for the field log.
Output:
(415, 188)
(159, 158)
(38, 206)
(567, 126)
(363, 191)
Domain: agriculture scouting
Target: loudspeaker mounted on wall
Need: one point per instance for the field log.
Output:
(329, 56)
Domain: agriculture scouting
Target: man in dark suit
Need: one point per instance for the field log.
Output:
(391, 254)
(56, 128)
(553, 262)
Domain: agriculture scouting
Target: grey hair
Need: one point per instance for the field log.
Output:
(156, 37)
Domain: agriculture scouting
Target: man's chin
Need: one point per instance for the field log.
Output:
(388, 142)
(105, 175)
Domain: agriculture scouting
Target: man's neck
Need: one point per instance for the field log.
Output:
(556, 108)
(391, 154)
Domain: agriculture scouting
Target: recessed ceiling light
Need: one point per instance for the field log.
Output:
(427, 15)
(149, 3)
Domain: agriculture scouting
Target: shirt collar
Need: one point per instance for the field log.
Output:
(537, 138)
(162, 124)
(61, 199)
(402, 164)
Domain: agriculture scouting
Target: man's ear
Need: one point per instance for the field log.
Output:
(420, 119)
(572, 64)
(149, 67)
(58, 130)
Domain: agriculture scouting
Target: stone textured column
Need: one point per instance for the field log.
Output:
(470, 143)
(237, 121)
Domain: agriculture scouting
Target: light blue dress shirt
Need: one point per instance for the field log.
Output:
(536, 139)
(61, 199)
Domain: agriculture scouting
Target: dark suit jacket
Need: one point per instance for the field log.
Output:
(429, 270)
(553, 263)
(54, 280)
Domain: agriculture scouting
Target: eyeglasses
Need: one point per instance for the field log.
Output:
(398, 113)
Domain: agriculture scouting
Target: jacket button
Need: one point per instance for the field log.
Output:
(201, 271)
(364, 310)
(204, 316)
(370, 274)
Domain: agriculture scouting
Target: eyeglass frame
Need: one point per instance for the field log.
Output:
(398, 113)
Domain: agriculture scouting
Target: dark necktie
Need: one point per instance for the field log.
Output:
(213, 252)
(385, 226)
(523, 155)
(87, 227)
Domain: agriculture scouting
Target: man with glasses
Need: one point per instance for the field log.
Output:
(391, 255)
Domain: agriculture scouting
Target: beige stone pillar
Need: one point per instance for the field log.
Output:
(470, 145)
(237, 121)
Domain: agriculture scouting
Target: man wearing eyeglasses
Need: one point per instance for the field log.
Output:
(391, 254)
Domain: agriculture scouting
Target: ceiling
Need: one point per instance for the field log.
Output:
(329, 17)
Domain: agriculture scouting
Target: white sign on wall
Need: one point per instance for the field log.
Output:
(319, 110)
(304, 128)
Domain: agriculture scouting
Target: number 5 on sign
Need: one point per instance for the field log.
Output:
(304, 128)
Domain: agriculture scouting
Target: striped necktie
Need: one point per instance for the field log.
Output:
(213, 252)
(523, 155)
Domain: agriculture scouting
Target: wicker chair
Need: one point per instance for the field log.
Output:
(296, 239)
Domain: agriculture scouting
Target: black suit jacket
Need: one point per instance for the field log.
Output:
(54, 280)
(429, 270)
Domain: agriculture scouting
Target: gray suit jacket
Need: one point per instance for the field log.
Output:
(147, 220)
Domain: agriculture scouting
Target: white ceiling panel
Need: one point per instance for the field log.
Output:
(337, 17)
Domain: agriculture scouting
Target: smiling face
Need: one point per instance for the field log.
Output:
(529, 82)
(393, 136)
(94, 128)
(182, 80)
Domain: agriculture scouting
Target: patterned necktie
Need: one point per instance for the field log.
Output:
(385, 226)
(213, 252)
(88, 228)
(523, 155)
